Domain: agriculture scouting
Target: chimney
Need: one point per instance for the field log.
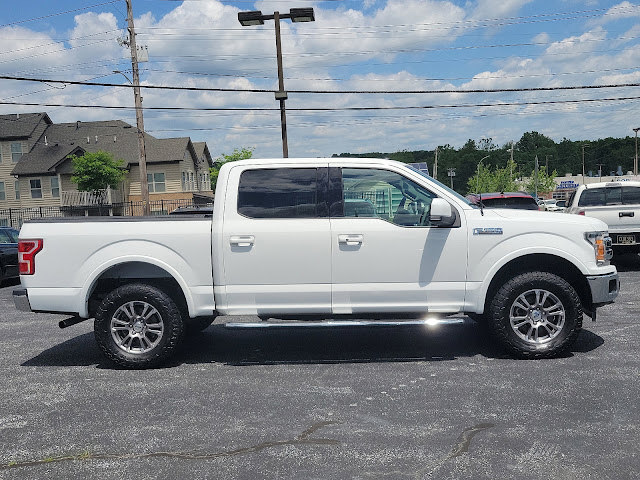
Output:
(77, 124)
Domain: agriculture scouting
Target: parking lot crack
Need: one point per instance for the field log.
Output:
(303, 439)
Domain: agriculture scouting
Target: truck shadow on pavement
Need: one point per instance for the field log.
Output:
(358, 344)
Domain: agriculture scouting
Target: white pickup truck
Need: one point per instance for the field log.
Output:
(616, 204)
(313, 239)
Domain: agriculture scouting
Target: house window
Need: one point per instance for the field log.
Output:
(16, 152)
(55, 187)
(184, 181)
(191, 184)
(17, 185)
(156, 182)
(3, 195)
(36, 188)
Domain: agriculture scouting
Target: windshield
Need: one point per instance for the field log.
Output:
(442, 185)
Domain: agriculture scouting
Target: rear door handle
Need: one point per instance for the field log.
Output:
(241, 240)
(625, 214)
(351, 240)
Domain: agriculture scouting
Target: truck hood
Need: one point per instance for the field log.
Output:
(538, 218)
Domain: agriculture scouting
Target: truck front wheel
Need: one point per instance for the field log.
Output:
(536, 315)
(138, 326)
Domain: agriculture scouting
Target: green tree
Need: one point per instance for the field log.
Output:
(97, 171)
(482, 181)
(544, 183)
(488, 179)
(237, 154)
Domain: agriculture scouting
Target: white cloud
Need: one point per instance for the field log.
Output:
(492, 9)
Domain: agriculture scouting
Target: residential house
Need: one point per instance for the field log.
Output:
(177, 169)
(18, 134)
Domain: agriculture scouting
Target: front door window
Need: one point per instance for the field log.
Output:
(386, 195)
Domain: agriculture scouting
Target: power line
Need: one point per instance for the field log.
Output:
(333, 109)
(260, 90)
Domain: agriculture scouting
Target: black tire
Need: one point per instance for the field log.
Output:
(546, 330)
(138, 326)
(193, 326)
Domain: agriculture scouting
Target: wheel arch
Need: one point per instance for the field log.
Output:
(130, 271)
(542, 262)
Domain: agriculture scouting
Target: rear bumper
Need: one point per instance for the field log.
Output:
(21, 300)
(604, 288)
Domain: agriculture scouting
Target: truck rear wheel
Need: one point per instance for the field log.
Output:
(536, 315)
(138, 326)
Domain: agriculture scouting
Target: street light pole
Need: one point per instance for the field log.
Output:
(635, 160)
(281, 94)
(296, 15)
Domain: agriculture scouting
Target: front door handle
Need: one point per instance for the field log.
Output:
(241, 240)
(351, 240)
(625, 214)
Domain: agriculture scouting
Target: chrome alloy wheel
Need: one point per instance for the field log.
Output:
(136, 327)
(537, 316)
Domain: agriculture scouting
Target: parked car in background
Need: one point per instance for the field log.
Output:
(551, 205)
(615, 203)
(518, 200)
(8, 253)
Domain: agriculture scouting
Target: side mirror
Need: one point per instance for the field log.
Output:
(441, 214)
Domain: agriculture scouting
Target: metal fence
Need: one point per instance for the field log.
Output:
(15, 217)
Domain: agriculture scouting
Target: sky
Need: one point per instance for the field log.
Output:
(442, 52)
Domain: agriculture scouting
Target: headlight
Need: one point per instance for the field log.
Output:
(601, 242)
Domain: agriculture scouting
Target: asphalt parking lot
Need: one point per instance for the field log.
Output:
(325, 403)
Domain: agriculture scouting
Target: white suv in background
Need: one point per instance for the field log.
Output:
(615, 203)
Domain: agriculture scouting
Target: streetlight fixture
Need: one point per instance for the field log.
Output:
(635, 160)
(478, 172)
(297, 15)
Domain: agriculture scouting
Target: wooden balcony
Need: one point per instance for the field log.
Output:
(76, 199)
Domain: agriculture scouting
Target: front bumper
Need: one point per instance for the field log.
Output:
(604, 288)
(21, 300)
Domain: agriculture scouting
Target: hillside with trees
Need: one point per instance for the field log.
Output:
(563, 157)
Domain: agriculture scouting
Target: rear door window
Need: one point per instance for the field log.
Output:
(631, 195)
(593, 197)
(281, 193)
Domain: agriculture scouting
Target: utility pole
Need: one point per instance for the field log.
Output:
(546, 163)
(635, 160)
(511, 164)
(536, 177)
(583, 176)
(142, 156)
(435, 166)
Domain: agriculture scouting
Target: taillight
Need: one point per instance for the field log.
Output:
(581, 212)
(27, 250)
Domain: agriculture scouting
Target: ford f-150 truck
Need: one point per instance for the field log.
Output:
(313, 239)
